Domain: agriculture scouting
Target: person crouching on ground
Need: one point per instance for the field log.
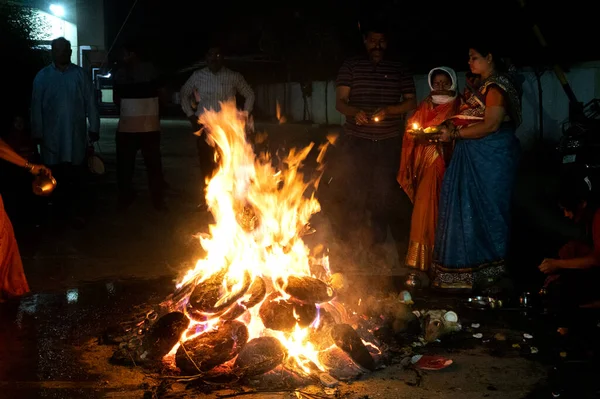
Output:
(574, 276)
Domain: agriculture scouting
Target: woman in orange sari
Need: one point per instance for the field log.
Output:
(12, 277)
(422, 165)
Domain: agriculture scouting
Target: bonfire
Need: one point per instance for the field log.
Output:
(259, 299)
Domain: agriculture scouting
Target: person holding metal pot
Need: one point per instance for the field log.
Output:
(12, 277)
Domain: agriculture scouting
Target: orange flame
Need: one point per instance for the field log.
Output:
(280, 117)
(276, 209)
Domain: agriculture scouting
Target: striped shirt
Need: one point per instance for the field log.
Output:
(208, 89)
(137, 88)
(373, 87)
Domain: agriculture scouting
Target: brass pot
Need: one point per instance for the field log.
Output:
(43, 185)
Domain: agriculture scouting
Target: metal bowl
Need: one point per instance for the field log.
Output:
(43, 185)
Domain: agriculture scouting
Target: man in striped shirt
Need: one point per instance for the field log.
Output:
(208, 87)
(136, 91)
(374, 94)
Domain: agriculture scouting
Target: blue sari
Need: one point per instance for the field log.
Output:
(474, 213)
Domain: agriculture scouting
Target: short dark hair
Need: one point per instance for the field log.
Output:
(215, 41)
(58, 40)
(376, 28)
(573, 191)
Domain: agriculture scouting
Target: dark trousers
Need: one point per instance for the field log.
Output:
(128, 144)
(206, 158)
(72, 196)
(368, 183)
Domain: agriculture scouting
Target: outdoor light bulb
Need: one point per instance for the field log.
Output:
(415, 126)
(376, 119)
(57, 10)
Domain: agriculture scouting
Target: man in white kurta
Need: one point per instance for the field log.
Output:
(64, 120)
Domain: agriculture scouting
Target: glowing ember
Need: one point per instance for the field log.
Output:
(255, 247)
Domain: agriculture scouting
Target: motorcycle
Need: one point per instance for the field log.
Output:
(579, 146)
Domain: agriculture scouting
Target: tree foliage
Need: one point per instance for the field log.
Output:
(19, 30)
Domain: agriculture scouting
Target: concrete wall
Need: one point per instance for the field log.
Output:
(584, 79)
(90, 23)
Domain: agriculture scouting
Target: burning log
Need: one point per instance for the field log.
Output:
(260, 355)
(256, 293)
(320, 336)
(347, 339)
(247, 218)
(280, 314)
(207, 300)
(398, 315)
(340, 365)
(163, 335)
(307, 289)
(212, 348)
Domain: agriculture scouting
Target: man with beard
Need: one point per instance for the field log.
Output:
(207, 88)
(374, 93)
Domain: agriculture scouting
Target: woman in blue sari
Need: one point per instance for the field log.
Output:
(473, 225)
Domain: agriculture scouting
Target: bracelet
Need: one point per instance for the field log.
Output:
(29, 166)
(455, 133)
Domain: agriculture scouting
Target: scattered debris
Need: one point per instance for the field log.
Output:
(500, 337)
(475, 325)
(433, 363)
(415, 358)
(478, 335)
(528, 336)
(328, 380)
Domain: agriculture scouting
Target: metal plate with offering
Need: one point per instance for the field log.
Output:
(481, 302)
(425, 133)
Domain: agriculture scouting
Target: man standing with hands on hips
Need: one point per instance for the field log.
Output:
(374, 93)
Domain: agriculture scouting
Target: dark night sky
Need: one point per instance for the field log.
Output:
(315, 36)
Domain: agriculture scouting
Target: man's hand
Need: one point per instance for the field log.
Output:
(379, 115)
(94, 136)
(40, 170)
(361, 118)
(549, 266)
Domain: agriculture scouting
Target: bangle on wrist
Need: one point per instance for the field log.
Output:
(456, 133)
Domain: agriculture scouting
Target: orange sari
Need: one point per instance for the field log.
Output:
(12, 277)
(421, 172)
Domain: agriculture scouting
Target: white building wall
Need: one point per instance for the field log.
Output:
(52, 27)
